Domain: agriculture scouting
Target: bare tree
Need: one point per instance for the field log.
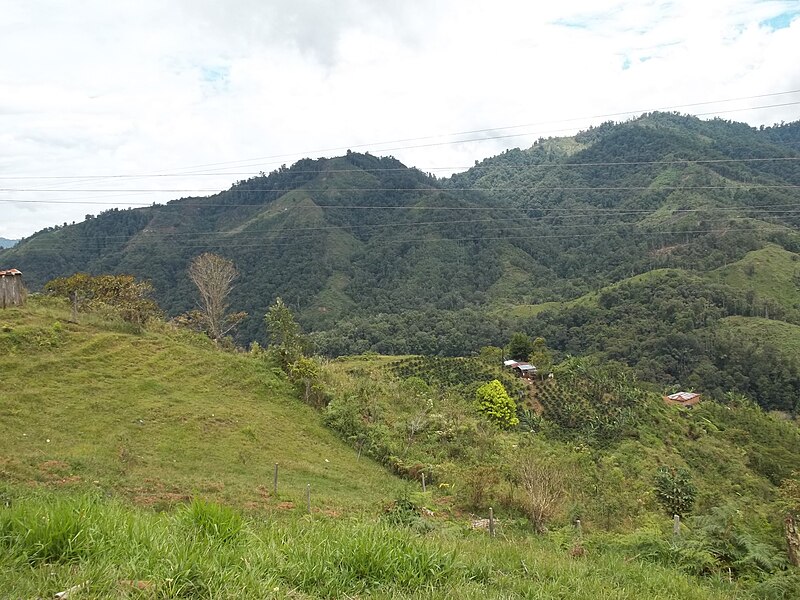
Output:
(214, 276)
(545, 486)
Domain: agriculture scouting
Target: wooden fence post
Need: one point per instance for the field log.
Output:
(676, 526)
(275, 482)
(423, 481)
(491, 522)
(308, 497)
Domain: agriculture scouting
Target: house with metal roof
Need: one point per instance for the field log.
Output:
(687, 399)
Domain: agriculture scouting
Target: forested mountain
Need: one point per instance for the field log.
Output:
(375, 256)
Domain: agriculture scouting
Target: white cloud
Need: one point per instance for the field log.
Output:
(144, 86)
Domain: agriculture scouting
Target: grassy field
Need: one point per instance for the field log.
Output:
(785, 336)
(771, 271)
(100, 548)
(139, 465)
(161, 416)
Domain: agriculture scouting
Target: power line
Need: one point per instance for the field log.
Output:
(569, 165)
(469, 132)
(532, 187)
(242, 162)
(526, 223)
(286, 242)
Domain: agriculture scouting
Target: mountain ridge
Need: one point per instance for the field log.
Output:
(355, 236)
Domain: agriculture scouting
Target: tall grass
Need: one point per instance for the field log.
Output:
(202, 550)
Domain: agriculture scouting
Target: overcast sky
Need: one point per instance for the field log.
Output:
(226, 89)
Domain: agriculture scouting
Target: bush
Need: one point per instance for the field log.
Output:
(494, 402)
(675, 490)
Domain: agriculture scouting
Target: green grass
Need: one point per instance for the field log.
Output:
(161, 416)
(771, 272)
(785, 336)
(53, 543)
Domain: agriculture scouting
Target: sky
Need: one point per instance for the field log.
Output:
(121, 103)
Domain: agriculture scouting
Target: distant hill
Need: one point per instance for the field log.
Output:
(6, 243)
(374, 255)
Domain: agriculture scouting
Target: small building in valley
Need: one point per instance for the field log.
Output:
(686, 399)
(522, 369)
(12, 291)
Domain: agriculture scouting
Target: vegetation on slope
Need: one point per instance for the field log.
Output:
(101, 549)
(352, 241)
(161, 415)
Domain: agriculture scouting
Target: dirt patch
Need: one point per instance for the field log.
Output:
(263, 493)
(54, 467)
(285, 506)
(154, 494)
(56, 472)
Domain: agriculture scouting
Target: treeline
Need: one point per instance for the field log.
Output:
(668, 326)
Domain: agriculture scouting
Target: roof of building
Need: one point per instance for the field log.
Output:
(683, 396)
(525, 367)
(510, 363)
(10, 272)
(685, 399)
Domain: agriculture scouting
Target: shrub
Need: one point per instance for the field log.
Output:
(545, 486)
(675, 490)
(494, 402)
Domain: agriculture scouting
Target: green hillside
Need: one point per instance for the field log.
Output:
(770, 272)
(138, 462)
(160, 416)
(785, 336)
(362, 243)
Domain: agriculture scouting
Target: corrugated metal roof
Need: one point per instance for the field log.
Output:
(10, 272)
(683, 396)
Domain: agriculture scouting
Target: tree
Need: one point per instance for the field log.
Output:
(129, 298)
(545, 486)
(214, 276)
(305, 374)
(675, 490)
(541, 357)
(495, 403)
(520, 346)
(284, 334)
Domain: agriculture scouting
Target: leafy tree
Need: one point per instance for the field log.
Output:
(675, 490)
(213, 276)
(284, 334)
(520, 346)
(305, 374)
(494, 402)
(541, 357)
(121, 293)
